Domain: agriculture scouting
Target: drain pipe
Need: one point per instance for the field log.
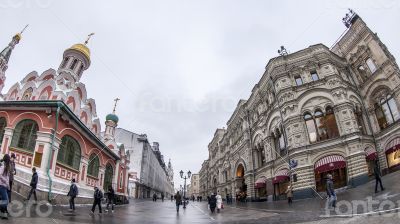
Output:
(52, 151)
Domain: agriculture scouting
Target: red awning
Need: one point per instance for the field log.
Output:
(370, 153)
(281, 176)
(329, 163)
(260, 183)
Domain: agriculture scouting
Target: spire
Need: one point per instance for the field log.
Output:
(6, 53)
(5, 56)
(111, 123)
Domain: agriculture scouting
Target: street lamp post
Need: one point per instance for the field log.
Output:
(184, 186)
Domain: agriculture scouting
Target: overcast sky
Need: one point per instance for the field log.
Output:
(179, 67)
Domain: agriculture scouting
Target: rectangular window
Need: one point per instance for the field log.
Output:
(298, 80)
(371, 65)
(37, 162)
(314, 75)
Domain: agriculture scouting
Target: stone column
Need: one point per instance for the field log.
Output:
(345, 119)
(249, 180)
(8, 132)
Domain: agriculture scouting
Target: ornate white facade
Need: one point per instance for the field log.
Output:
(325, 110)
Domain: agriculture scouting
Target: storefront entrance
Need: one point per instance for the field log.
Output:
(281, 183)
(241, 187)
(334, 165)
(393, 154)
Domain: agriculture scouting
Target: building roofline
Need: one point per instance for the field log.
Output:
(66, 110)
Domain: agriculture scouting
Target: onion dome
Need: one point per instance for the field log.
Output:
(112, 117)
(82, 48)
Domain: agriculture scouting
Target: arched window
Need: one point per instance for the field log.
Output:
(27, 94)
(3, 124)
(108, 176)
(330, 123)
(73, 65)
(321, 127)
(386, 111)
(64, 64)
(69, 153)
(94, 165)
(25, 134)
(121, 179)
(312, 131)
(280, 145)
(371, 65)
(80, 70)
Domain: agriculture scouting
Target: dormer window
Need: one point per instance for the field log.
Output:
(314, 75)
(299, 80)
(371, 65)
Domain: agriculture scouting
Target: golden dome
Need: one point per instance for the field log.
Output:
(18, 37)
(81, 48)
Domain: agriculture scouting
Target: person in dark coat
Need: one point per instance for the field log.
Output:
(178, 200)
(378, 176)
(72, 193)
(154, 197)
(98, 195)
(110, 198)
(162, 197)
(212, 203)
(13, 172)
(330, 190)
(33, 184)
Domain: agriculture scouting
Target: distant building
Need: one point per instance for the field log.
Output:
(194, 185)
(148, 173)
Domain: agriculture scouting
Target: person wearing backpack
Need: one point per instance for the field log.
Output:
(73, 192)
(98, 195)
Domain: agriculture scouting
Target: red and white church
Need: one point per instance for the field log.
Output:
(49, 122)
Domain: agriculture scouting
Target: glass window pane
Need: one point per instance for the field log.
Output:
(380, 117)
(281, 142)
(314, 76)
(393, 109)
(371, 65)
(2, 128)
(331, 126)
(312, 133)
(299, 81)
(321, 126)
(386, 112)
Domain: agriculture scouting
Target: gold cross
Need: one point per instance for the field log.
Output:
(88, 38)
(115, 105)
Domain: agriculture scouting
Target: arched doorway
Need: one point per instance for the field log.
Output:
(281, 182)
(334, 165)
(108, 176)
(241, 187)
(392, 152)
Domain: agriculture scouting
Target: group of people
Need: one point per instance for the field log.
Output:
(215, 202)
(155, 197)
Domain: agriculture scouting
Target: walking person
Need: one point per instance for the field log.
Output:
(5, 168)
(98, 195)
(110, 198)
(154, 197)
(178, 201)
(162, 197)
(212, 202)
(330, 190)
(219, 202)
(72, 193)
(33, 184)
(172, 198)
(289, 194)
(378, 176)
(13, 172)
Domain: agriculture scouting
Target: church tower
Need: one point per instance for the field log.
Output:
(76, 60)
(111, 123)
(5, 57)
